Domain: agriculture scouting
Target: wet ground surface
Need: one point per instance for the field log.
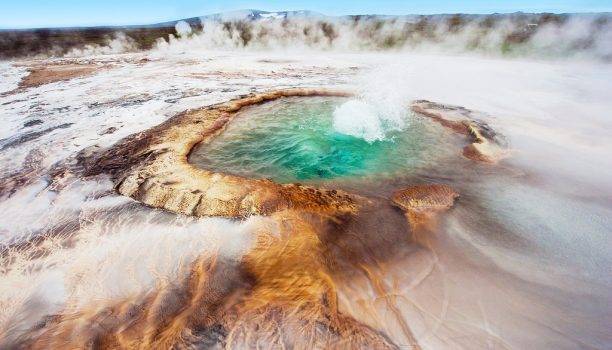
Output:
(521, 260)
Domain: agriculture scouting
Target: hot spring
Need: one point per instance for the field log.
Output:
(312, 140)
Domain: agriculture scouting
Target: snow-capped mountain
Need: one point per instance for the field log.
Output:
(261, 15)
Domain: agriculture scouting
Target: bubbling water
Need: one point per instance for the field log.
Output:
(368, 120)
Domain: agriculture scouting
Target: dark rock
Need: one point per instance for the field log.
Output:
(30, 123)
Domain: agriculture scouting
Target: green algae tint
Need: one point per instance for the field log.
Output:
(293, 140)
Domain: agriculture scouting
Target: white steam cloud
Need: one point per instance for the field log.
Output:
(121, 43)
(554, 36)
(183, 29)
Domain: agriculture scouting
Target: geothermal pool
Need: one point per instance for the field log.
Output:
(300, 139)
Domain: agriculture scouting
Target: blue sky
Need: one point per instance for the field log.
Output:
(54, 13)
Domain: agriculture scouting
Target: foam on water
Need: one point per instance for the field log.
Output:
(356, 118)
(364, 120)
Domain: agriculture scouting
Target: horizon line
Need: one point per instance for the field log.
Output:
(160, 22)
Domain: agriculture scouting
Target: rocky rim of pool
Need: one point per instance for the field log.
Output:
(153, 167)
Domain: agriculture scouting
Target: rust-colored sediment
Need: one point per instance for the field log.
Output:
(281, 296)
(294, 299)
(481, 148)
(422, 204)
(425, 198)
(40, 74)
(152, 167)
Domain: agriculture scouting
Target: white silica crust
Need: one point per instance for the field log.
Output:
(10, 76)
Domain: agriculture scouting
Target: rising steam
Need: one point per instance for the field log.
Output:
(500, 35)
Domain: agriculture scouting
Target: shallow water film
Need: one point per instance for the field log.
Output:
(210, 197)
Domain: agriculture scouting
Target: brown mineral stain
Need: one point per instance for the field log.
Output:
(46, 74)
(152, 167)
(422, 203)
(480, 148)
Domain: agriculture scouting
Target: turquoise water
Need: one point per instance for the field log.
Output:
(293, 140)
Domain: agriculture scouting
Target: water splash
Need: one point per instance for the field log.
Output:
(369, 121)
(380, 108)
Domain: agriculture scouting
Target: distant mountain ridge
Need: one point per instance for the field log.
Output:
(249, 14)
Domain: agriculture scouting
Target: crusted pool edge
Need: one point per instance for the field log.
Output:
(152, 166)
